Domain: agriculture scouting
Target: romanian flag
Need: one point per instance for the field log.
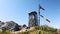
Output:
(45, 18)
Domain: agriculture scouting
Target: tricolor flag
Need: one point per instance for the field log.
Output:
(45, 18)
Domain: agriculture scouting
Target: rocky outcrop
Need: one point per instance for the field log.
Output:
(1, 23)
(10, 25)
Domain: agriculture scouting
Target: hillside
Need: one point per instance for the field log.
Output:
(41, 30)
(36, 30)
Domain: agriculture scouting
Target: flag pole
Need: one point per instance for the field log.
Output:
(39, 12)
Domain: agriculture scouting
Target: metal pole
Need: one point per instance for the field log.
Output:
(39, 12)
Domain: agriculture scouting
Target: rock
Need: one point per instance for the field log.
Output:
(11, 25)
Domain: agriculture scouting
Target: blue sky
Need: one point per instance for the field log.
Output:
(17, 10)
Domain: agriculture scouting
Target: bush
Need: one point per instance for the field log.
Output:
(5, 31)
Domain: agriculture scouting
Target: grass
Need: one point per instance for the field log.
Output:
(37, 30)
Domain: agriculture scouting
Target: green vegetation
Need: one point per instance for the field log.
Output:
(46, 29)
(37, 30)
(41, 30)
(23, 32)
(5, 31)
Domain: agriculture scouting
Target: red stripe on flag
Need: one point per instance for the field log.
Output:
(48, 20)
